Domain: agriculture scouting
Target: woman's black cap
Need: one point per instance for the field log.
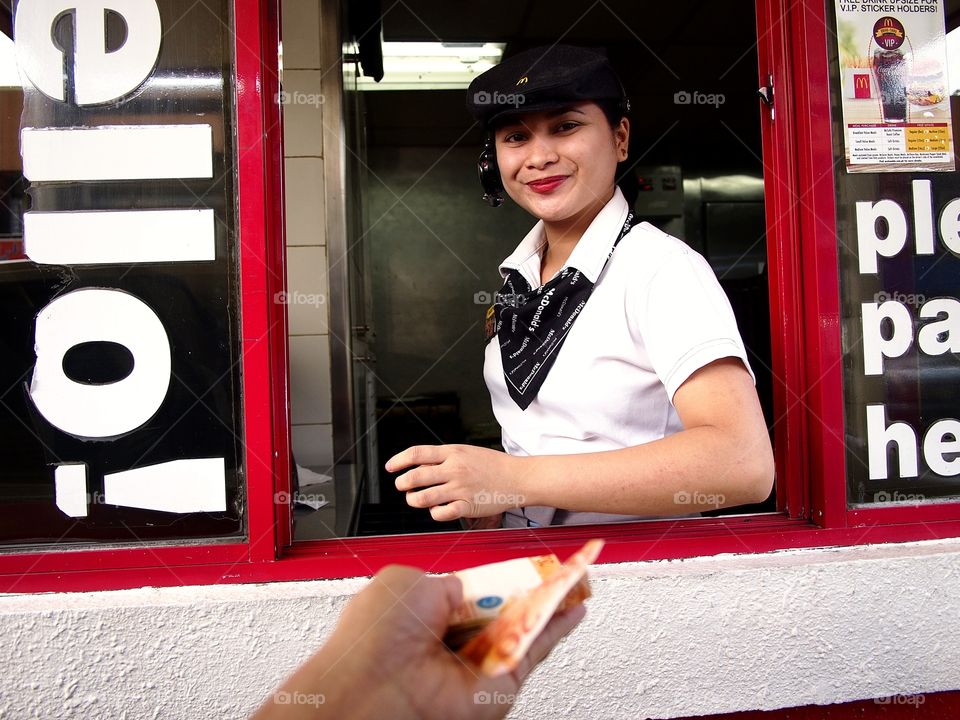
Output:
(544, 78)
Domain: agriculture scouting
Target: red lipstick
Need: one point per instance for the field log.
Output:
(545, 185)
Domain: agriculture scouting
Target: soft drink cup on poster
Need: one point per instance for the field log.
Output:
(890, 68)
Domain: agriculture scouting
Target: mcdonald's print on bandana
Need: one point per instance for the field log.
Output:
(531, 325)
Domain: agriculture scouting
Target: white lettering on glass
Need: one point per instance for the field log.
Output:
(70, 482)
(90, 237)
(880, 435)
(117, 152)
(875, 346)
(110, 409)
(180, 486)
(99, 75)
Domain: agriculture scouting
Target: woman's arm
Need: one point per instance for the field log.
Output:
(721, 458)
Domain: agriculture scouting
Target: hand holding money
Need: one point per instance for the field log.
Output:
(506, 606)
(386, 658)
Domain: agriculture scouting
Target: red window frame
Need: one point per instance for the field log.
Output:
(808, 401)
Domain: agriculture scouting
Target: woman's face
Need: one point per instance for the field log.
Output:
(559, 164)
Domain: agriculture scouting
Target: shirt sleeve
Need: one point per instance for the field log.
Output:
(686, 321)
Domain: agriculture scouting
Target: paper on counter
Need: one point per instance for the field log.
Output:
(309, 477)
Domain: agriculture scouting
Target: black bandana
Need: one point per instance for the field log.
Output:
(532, 324)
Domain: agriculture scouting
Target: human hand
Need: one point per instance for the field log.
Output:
(386, 659)
(457, 481)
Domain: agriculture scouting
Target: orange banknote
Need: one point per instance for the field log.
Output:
(507, 605)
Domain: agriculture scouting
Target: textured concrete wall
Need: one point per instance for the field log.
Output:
(661, 639)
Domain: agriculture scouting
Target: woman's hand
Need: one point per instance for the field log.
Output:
(457, 481)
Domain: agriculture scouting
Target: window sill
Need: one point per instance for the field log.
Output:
(442, 552)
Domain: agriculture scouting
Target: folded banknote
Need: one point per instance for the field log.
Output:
(506, 605)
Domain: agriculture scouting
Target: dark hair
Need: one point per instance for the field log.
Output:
(613, 109)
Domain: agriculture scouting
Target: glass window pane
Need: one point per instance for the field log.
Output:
(129, 288)
(899, 264)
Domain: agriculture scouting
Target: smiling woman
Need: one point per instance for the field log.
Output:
(617, 374)
(575, 145)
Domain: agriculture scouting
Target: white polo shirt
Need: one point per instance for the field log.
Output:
(657, 314)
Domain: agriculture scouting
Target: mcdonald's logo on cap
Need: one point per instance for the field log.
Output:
(523, 81)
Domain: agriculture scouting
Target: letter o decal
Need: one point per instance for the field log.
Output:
(99, 411)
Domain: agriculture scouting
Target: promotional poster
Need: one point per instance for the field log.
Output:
(893, 72)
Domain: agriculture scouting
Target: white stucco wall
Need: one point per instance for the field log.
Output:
(661, 639)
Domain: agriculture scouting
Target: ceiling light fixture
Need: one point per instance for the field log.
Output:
(432, 65)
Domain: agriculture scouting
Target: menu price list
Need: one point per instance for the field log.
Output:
(899, 143)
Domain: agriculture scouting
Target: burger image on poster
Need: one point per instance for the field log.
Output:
(926, 85)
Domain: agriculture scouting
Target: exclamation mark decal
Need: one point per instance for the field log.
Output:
(71, 487)
(178, 486)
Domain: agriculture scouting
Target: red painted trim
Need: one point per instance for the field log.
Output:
(783, 243)
(903, 514)
(445, 552)
(264, 436)
(277, 277)
(59, 559)
(945, 705)
(281, 355)
(819, 267)
(12, 249)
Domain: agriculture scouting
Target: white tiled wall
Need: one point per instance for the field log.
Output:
(302, 112)
(307, 295)
(301, 33)
(310, 379)
(304, 184)
(306, 240)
